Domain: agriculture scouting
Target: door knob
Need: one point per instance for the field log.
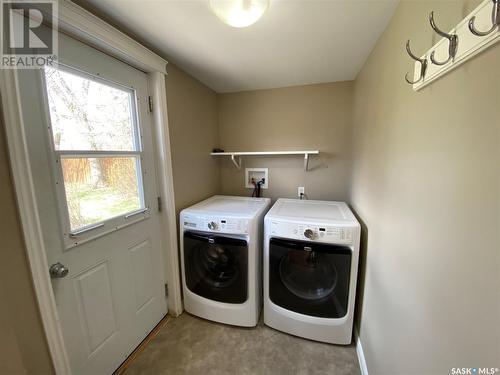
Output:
(58, 271)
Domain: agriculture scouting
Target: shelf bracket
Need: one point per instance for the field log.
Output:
(236, 163)
(306, 162)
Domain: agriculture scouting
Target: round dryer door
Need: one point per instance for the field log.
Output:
(309, 278)
(308, 274)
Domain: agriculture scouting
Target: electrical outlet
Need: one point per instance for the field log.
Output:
(301, 190)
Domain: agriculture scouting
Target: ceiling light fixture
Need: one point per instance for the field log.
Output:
(239, 13)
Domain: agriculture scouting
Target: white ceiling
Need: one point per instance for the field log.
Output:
(295, 43)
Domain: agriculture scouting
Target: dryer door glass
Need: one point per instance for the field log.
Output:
(216, 267)
(309, 278)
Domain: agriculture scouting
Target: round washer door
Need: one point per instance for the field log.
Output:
(215, 264)
(216, 267)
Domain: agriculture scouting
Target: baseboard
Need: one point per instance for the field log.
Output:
(360, 353)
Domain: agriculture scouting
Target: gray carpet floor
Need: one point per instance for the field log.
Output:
(190, 345)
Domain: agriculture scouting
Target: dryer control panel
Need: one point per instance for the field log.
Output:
(215, 224)
(330, 234)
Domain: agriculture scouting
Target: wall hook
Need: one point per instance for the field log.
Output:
(452, 39)
(495, 20)
(423, 64)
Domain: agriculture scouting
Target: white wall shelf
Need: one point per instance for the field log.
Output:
(238, 155)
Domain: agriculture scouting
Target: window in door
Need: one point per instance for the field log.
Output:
(95, 138)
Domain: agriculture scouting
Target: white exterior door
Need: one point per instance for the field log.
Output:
(90, 143)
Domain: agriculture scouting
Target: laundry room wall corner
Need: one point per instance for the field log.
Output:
(193, 125)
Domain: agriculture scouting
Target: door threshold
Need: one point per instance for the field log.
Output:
(131, 358)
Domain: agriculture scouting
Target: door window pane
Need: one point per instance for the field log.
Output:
(89, 115)
(101, 188)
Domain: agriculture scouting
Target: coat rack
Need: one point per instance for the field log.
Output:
(475, 33)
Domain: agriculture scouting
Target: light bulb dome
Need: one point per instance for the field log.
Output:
(239, 13)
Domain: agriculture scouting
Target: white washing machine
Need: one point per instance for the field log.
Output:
(311, 251)
(221, 258)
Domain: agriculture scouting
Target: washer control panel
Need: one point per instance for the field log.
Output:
(312, 232)
(215, 224)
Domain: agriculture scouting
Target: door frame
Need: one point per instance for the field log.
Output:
(82, 25)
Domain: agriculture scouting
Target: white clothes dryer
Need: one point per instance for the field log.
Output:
(311, 251)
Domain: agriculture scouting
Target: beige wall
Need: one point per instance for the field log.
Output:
(426, 185)
(296, 118)
(23, 349)
(192, 117)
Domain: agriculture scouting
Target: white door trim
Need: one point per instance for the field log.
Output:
(161, 135)
(82, 25)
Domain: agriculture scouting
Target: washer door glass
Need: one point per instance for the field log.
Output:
(216, 264)
(215, 267)
(309, 278)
